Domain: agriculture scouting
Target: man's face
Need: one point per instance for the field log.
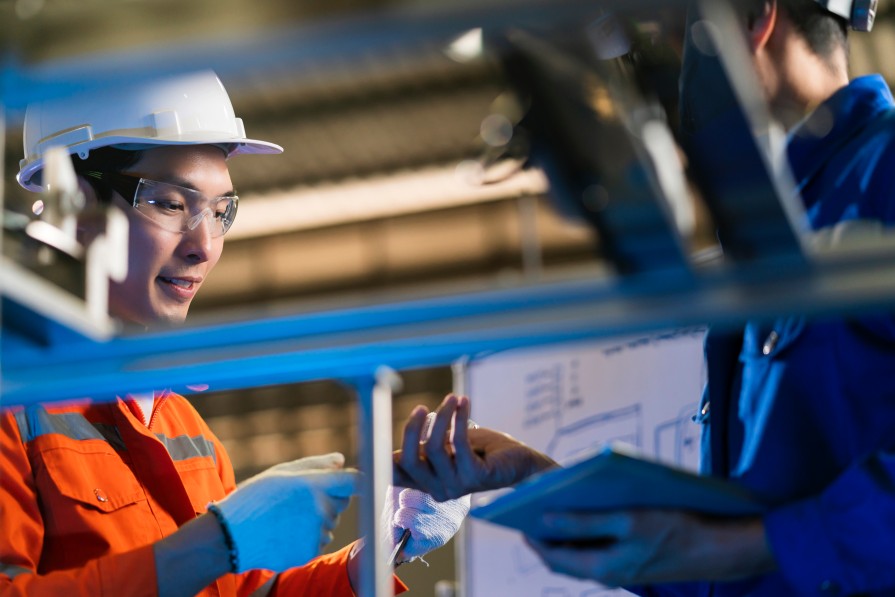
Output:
(166, 268)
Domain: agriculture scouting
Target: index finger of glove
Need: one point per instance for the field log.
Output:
(331, 461)
(338, 484)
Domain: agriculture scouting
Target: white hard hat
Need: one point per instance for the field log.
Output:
(860, 14)
(192, 109)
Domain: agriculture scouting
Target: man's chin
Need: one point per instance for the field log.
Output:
(156, 321)
(168, 320)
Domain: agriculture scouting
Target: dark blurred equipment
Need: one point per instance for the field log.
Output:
(50, 274)
(591, 134)
(735, 152)
(598, 124)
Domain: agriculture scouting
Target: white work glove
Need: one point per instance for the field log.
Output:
(282, 517)
(431, 523)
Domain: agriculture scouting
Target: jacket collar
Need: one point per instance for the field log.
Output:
(837, 120)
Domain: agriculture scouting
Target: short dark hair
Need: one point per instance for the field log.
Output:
(105, 159)
(824, 31)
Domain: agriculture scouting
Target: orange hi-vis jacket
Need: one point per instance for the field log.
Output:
(86, 489)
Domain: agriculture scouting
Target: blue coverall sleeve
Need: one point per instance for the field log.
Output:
(842, 540)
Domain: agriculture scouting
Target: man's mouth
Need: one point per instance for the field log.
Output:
(179, 282)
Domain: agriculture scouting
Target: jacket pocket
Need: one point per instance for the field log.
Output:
(201, 481)
(91, 473)
(90, 500)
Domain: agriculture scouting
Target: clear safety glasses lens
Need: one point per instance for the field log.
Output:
(180, 209)
(174, 208)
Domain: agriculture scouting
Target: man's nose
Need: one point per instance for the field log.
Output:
(205, 214)
(199, 234)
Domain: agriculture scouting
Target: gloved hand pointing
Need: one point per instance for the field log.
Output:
(282, 517)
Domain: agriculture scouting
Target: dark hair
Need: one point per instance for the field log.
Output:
(105, 159)
(824, 31)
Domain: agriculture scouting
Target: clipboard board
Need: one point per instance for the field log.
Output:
(615, 478)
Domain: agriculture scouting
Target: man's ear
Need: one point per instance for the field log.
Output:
(761, 20)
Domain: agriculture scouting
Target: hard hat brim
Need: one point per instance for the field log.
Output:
(29, 173)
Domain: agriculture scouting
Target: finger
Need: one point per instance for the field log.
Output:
(461, 421)
(337, 484)
(410, 443)
(577, 563)
(410, 462)
(438, 442)
(444, 416)
(469, 466)
(400, 478)
(437, 449)
(331, 461)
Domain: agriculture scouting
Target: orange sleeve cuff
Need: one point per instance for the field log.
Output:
(134, 569)
(324, 575)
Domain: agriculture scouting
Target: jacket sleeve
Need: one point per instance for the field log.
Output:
(129, 574)
(325, 575)
(841, 540)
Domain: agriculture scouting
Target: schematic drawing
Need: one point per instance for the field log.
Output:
(580, 438)
(553, 395)
(564, 415)
(527, 563)
(677, 441)
(543, 396)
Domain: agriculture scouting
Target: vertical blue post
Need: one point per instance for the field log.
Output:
(374, 398)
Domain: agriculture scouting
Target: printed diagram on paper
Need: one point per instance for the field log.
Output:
(568, 401)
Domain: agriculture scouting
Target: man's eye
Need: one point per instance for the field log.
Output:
(223, 209)
(166, 205)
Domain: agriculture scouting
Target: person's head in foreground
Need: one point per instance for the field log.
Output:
(158, 149)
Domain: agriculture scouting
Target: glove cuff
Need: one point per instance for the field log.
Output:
(228, 537)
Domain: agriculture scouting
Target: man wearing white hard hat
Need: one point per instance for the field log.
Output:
(137, 496)
(798, 410)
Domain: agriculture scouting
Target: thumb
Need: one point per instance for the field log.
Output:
(331, 461)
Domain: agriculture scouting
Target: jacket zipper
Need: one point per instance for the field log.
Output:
(156, 408)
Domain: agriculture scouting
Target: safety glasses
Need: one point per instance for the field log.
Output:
(174, 208)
